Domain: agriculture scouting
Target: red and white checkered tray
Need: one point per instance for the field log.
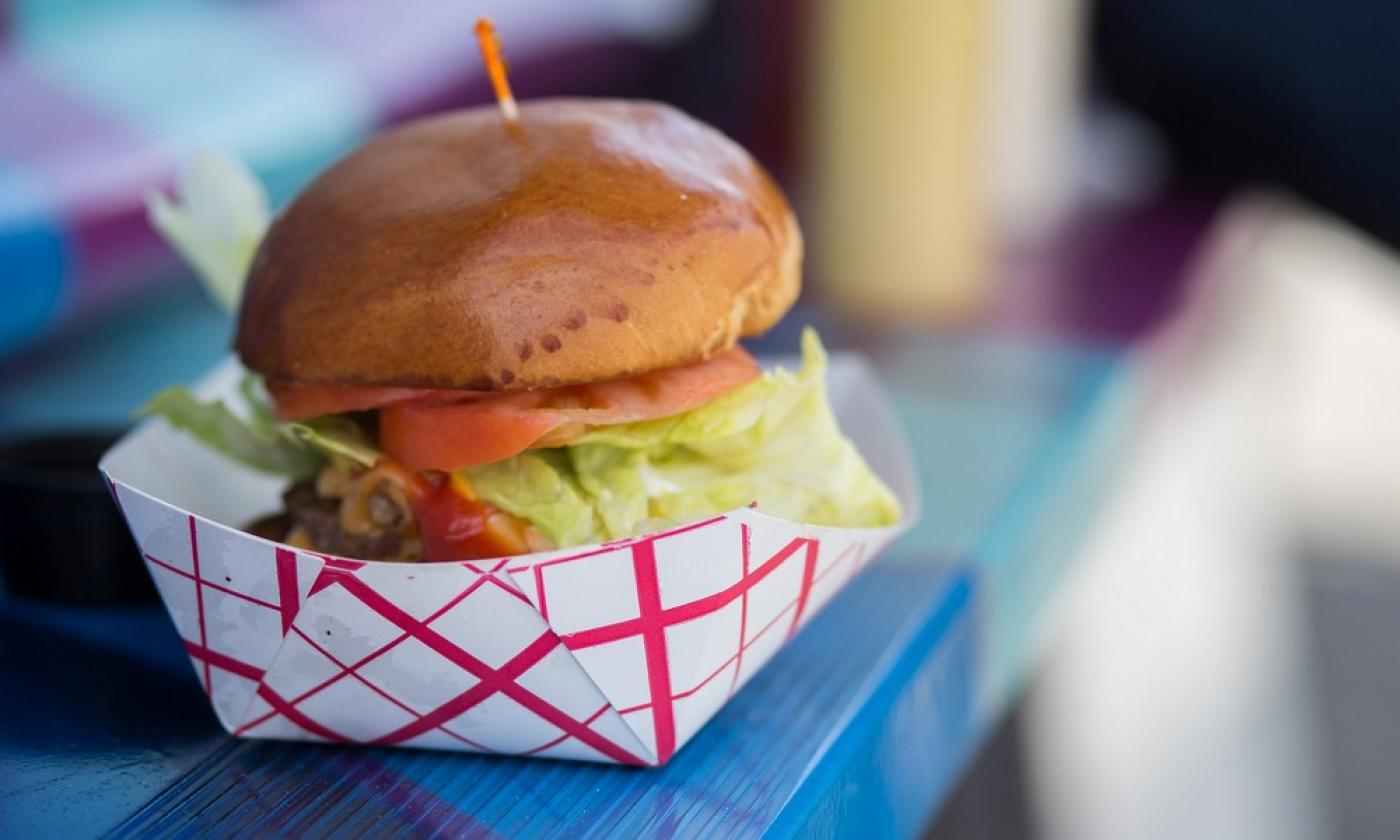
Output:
(617, 652)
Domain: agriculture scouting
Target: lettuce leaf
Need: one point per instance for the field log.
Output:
(216, 222)
(539, 486)
(336, 436)
(258, 439)
(774, 441)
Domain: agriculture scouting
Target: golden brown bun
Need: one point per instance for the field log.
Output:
(601, 238)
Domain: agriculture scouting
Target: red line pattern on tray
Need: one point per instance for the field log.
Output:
(746, 551)
(298, 717)
(653, 633)
(648, 626)
(490, 680)
(199, 604)
(352, 668)
(207, 658)
(209, 584)
(809, 570)
(681, 612)
(737, 659)
(287, 586)
(651, 623)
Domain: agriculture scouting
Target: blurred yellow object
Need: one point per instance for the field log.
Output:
(899, 215)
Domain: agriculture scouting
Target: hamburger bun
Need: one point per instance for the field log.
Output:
(594, 239)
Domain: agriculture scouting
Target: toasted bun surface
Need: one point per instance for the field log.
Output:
(599, 239)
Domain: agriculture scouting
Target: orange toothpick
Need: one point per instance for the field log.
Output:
(496, 68)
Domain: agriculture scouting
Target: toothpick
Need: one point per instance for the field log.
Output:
(496, 68)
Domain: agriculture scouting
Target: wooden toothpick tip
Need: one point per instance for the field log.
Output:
(496, 68)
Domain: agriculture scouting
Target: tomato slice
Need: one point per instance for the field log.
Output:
(425, 435)
(302, 402)
(449, 437)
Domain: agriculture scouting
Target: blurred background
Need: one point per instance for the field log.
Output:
(1203, 193)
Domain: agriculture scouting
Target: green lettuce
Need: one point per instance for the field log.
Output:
(336, 436)
(258, 439)
(773, 441)
(540, 486)
(216, 222)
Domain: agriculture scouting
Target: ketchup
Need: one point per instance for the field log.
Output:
(454, 527)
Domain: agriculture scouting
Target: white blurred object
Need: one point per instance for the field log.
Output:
(1178, 703)
(1343, 294)
(1034, 76)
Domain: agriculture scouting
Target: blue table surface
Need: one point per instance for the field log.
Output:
(104, 730)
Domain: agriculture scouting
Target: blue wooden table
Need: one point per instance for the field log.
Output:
(103, 728)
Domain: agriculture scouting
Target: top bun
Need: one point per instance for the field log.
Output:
(592, 240)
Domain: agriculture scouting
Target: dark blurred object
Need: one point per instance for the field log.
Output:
(1301, 92)
(992, 799)
(88, 690)
(61, 538)
(738, 71)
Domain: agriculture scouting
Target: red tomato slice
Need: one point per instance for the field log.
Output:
(302, 402)
(448, 437)
(425, 435)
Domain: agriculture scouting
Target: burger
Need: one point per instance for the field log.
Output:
(473, 337)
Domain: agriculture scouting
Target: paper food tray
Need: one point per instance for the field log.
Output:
(617, 652)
